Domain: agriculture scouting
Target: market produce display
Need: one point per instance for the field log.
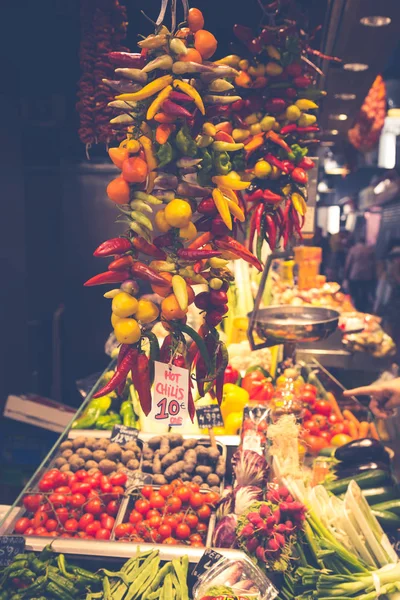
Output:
(176, 156)
(364, 135)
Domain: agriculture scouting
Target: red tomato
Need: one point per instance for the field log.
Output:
(107, 522)
(197, 544)
(346, 427)
(174, 504)
(63, 489)
(39, 519)
(81, 487)
(315, 444)
(182, 531)
(171, 521)
(153, 512)
(212, 498)
(22, 525)
(29, 531)
(123, 530)
(72, 479)
(193, 486)
(326, 435)
(308, 398)
(196, 537)
(77, 500)
(147, 491)
(176, 483)
(41, 531)
(155, 522)
(170, 541)
(85, 520)
(156, 500)
(142, 506)
(81, 475)
(333, 419)
(165, 531)
(94, 506)
(196, 500)
(201, 528)
(308, 387)
(112, 508)
(117, 491)
(191, 520)
(46, 484)
(103, 534)
(93, 528)
(119, 478)
(154, 536)
(33, 501)
(51, 525)
(307, 414)
(183, 493)
(46, 507)
(62, 514)
(204, 512)
(337, 429)
(135, 517)
(323, 407)
(58, 500)
(71, 525)
(105, 485)
(93, 494)
(179, 516)
(166, 490)
(94, 482)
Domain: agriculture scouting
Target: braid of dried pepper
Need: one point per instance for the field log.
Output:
(175, 161)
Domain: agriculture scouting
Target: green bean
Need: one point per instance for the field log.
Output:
(167, 587)
(160, 576)
(148, 572)
(106, 589)
(176, 586)
(181, 574)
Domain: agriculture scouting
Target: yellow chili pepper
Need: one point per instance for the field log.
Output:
(180, 290)
(236, 210)
(153, 41)
(226, 146)
(151, 160)
(192, 93)
(156, 104)
(273, 52)
(231, 181)
(209, 129)
(240, 135)
(305, 104)
(273, 69)
(222, 207)
(299, 203)
(149, 90)
(229, 193)
(306, 120)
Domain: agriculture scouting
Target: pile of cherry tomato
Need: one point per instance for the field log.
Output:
(175, 513)
(79, 505)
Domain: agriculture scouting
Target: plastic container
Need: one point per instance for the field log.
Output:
(241, 578)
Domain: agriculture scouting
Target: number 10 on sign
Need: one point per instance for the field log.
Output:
(171, 389)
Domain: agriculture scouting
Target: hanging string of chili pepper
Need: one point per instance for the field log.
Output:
(177, 193)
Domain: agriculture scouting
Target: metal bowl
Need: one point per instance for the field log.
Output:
(282, 324)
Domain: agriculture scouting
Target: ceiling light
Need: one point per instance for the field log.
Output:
(340, 117)
(375, 21)
(356, 67)
(345, 96)
(332, 132)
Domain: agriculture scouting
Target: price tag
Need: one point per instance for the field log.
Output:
(10, 546)
(170, 397)
(121, 434)
(209, 416)
(209, 558)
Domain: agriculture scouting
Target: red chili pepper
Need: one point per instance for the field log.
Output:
(255, 46)
(288, 128)
(259, 213)
(194, 254)
(289, 165)
(290, 93)
(146, 248)
(270, 230)
(164, 240)
(276, 138)
(126, 59)
(142, 383)
(124, 349)
(299, 176)
(286, 222)
(108, 277)
(180, 97)
(296, 221)
(306, 163)
(171, 108)
(146, 273)
(276, 162)
(253, 226)
(191, 406)
(243, 33)
(275, 105)
(309, 129)
(255, 103)
(204, 238)
(165, 350)
(207, 207)
(119, 376)
(238, 105)
(271, 197)
(118, 245)
(119, 264)
(302, 81)
(227, 243)
(258, 194)
(294, 69)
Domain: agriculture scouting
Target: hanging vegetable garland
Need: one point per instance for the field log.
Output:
(174, 160)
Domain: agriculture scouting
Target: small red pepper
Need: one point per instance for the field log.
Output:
(243, 33)
(180, 97)
(146, 248)
(302, 81)
(294, 69)
(231, 375)
(142, 271)
(108, 277)
(289, 165)
(309, 129)
(258, 194)
(171, 108)
(276, 139)
(193, 254)
(126, 59)
(275, 105)
(290, 93)
(306, 163)
(142, 383)
(288, 128)
(271, 197)
(118, 245)
(276, 162)
(119, 264)
(164, 240)
(238, 105)
(259, 213)
(270, 230)
(119, 376)
(207, 207)
(299, 176)
(227, 243)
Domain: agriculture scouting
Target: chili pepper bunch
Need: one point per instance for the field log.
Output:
(176, 160)
(274, 121)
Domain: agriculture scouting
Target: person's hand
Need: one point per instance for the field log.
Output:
(385, 397)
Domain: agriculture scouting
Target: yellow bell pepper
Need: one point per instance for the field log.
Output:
(192, 93)
(151, 160)
(222, 207)
(234, 399)
(156, 104)
(233, 423)
(149, 90)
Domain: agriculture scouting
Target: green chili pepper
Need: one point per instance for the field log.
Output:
(165, 154)
(89, 577)
(260, 239)
(127, 414)
(185, 143)
(23, 573)
(238, 161)
(108, 421)
(222, 163)
(57, 592)
(95, 408)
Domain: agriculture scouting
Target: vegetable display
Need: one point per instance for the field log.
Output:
(177, 159)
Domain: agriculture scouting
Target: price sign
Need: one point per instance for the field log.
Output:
(121, 434)
(209, 416)
(209, 558)
(171, 392)
(10, 546)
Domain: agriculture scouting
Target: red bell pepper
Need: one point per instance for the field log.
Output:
(299, 176)
(231, 375)
(258, 386)
(306, 163)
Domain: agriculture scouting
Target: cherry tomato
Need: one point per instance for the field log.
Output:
(77, 500)
(123, 530)
(323, 407)
(196, 537)
(93, 494)
(333, 419)
(112, 508)
(33, 501)
(94, 506)
(204, 512)
(39, 519)
(107, 522)
(166, 490)
(176, 483)
(119, 478)
(196, 499)
(308, 398)
(326, 435)
(156, 500)
(155, 522)
(75, 513)
(171, 521)
(22, 525)
(142, 506)
(81, 475)
(182, 531)
(321, 421)
(154, 536)
(197, 544)
(147, 491)
(337, 429)
(117, 491)
(81, 487)
(51, 525)
(103, 534)
(105, 485)
(85, 520)
(212, 498)
(93, 528)
(63, 489)
(153, 512)
(71, 525)
(346, 427)
(58, 500)
(170, 541)
(165, 531)
(183, 493)
(308, 387)
(191, 520)
(135, 516)
(29, 531)
(46, 507)
(41, 531)
(72, 479)
(46, 484)
(179, 516)
(315, 444)
(142, 527)
(174, 504)
(62, 514)
(193, 486)
(201, 528)
(93, 482)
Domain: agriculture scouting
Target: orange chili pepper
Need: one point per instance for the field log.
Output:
(222, 136)
(254, 143)
(224, 126)
(243, 79)
(163, 132)
(163, 118)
